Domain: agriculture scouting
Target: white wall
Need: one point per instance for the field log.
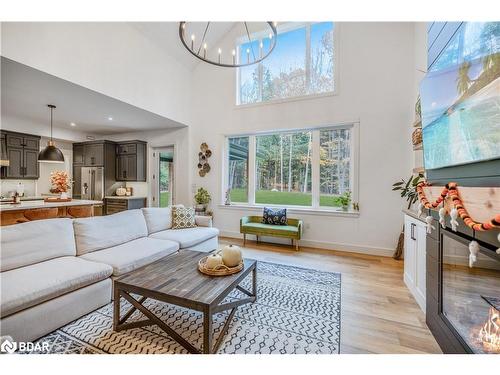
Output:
(112, 58)
(376, 88)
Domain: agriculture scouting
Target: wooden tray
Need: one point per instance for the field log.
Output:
(56, 200)
(221, 270)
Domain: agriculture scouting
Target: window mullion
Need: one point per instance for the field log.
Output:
(315, 172)
(308, 58)
(251, 169)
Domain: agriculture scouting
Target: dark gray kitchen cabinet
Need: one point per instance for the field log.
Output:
(78, 154)
(15, 168)
(77, 181)
(22, 151)
(93, 155)
(131, 161)
(31, 167)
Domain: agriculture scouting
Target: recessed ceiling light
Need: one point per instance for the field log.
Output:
(72, 124)
(110, 118)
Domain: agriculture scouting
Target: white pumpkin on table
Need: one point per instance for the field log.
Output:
(231, 255)
(213, 260)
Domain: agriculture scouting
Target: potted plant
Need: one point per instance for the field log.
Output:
(202, 199)
(409, 188)
(345, 200)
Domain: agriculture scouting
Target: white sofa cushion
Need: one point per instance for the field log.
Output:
(188, 236)
(31, 285)
(35, 241)
(134, 254)
(157, 218)
(101, 232)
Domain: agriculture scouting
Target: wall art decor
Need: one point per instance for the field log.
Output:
(203, 155)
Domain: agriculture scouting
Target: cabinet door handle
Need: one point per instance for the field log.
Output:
(412, 235)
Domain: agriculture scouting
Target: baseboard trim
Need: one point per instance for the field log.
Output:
(350, 248)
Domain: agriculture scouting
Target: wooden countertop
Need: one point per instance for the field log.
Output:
(26, 205)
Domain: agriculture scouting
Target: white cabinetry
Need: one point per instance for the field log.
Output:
(415, 259)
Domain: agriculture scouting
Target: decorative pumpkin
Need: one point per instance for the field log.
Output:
(231, 255)
(121, 191)
(213, 260)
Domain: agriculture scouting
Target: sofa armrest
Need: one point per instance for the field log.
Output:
(300, 226)
(203, 221)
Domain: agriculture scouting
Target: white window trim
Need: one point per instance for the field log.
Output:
(284, 28)
(315, 165)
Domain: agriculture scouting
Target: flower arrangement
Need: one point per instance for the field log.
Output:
(60, 182)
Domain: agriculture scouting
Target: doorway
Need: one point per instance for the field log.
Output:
(163, 177)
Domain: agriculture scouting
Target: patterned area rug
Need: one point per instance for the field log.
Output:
(297, 311)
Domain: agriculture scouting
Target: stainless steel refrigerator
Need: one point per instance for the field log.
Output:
(92, 183)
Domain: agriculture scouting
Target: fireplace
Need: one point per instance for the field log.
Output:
(471, 296)
(463, 302)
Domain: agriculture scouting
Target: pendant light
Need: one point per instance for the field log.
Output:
(51, 154)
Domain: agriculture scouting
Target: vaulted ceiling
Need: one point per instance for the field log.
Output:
(166, 36)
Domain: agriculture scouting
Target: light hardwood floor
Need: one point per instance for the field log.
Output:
(379, 315)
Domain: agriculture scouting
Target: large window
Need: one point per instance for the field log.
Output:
(238, 169)
(302, 63)
(306, 168)
(283, 169)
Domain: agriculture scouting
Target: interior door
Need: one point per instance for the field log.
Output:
(163, 177)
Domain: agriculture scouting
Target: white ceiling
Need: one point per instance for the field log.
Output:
(27, 91)
(166, 36)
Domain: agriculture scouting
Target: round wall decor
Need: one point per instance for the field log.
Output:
(203, 155)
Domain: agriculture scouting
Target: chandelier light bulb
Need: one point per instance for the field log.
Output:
(275, 23)
(205, 50)
(192, 37)
(220, 52)
(270, 36)
(192, 41)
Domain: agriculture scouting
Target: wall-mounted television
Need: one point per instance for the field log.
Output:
(460, 99)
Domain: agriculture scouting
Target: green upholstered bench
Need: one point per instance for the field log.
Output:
(253, 225)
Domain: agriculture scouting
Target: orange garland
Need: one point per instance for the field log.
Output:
(451, 190)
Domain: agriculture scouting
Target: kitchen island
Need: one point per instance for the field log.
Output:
(15, 213)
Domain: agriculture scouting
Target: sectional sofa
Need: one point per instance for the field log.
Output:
(54, 271)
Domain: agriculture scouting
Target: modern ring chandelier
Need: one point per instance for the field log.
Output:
(254, 54)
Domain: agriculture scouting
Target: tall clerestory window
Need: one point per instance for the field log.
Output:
(301, 64)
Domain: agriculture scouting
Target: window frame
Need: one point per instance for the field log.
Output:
(289, 26)
(315, 170)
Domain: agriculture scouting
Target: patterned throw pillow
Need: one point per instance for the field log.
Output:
(274, 216)
(182, 217)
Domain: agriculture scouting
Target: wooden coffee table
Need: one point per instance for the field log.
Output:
(175, 279)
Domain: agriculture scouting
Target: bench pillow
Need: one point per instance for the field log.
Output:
(101, 232)
(274, 216)
(36, 241)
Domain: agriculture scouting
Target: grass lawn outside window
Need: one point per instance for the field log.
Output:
(284, 198)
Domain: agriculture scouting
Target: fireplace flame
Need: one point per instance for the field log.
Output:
(489, 334)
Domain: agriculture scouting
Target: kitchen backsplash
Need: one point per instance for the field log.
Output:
(8, 186)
